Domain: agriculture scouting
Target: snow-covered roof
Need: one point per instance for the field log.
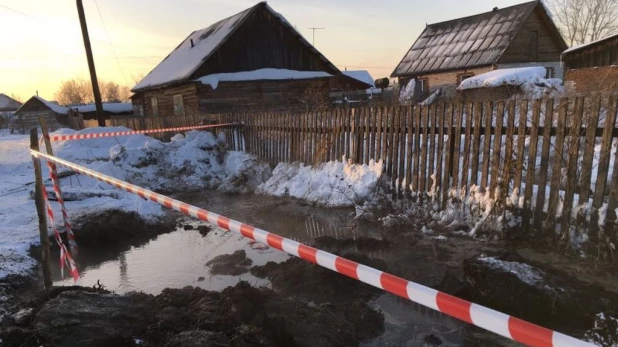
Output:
(111, 107)
(7, 103)
(195, 50)
(360, 75)
(52, 105)
(578, 47)
(501, 77)
(261, 74)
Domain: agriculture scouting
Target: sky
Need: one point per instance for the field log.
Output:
(43, 46)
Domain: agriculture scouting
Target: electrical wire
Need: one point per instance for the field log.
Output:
(110, 43)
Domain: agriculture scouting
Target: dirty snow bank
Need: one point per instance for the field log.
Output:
(198, 161)
(531, 80)
(332, 184)
(524, 272)
(605, 331)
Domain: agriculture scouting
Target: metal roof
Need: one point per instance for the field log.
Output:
(473, 41)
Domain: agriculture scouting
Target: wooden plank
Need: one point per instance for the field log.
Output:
(340, 135)
(612, 202)
(379, 126)
(422, 185)
(573, 154)
(488, 110)
(508, 152)
(409, 146)
(373, 133)
(367, 147)
(402, 149)
(456, 147)
(385, 122)
(521, 146)
(543, 171)
(448, 121)
(432, 147)
(440, 110)
(591, 119)
(604, 160)
(417, 149)
(476, 142)
(348, 131)
(395, 151)
(496, 150)
(557, 165)
(531, 167)
(465, 175)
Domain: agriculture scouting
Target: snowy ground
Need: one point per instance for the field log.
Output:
(198, 161)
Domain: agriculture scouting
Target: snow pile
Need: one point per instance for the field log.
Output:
(333, 184)
(531, 80)
(90, 150)
(605, 331)
(53, 106)
(112, 107)
(261, 74)
(407, 93)
(524, 272)
(432, 98)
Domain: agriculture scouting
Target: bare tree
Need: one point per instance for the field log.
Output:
(113, 92)
(79, 91)
(582, 21)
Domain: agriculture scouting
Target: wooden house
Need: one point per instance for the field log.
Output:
(252, 60)
(8, 105)
(447, 53)
(593, 66)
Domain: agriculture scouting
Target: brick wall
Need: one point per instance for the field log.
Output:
(601, 79)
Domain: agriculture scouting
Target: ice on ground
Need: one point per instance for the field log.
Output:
(524, 272)
(333, 184)
(199, 160)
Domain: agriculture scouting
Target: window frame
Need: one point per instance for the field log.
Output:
(179, 107)
(464, 76)
(154, 105)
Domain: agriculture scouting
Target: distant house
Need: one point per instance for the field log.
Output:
(449, 52)
(8, 105)
(27, 116)
(254, 59)
(593, 66)
(355, 87)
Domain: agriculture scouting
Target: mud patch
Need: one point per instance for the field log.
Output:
(360, 244)
(234, 264)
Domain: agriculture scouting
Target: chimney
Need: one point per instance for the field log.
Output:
(192, 44)
(496, 9)
(37, 93)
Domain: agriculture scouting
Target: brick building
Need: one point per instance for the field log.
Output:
(593, 66)
(446, 53)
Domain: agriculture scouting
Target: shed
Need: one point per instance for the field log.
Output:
(27, 116)
(8, 106)
(593, 66)
(447, 53)
(257, 59)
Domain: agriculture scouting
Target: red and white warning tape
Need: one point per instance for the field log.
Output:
(494, 321)
(132, 132)
(53, 173)
(65, 256)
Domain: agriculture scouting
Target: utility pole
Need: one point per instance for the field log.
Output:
(314, 29)
(93, 71)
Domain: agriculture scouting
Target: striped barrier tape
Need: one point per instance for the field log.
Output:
(65, 256)
(486, 318)
(53, 174)
(132, 132)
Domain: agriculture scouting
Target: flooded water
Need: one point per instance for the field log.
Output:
(178, 259)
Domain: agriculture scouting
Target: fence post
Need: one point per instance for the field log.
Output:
(40, 210)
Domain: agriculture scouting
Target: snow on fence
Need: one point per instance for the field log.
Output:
(480, 316)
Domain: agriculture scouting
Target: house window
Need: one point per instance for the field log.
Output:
(465, 76)
(138, 110)
(550, 72)
(424, 85)
(533, 45)
(155, 107)
(179, 107)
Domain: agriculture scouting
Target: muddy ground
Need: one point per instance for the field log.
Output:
(308, 305)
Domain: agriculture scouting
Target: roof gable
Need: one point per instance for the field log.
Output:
(473, 41)
(7, 103)
(195, 50)
(37, 100)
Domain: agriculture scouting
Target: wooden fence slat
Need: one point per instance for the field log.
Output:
(441, 109)
(402, 149)
(417, 144)
(545, 152)
(496, 150)
(448, 121)
(395, 151)
(476, 143)
(488, 110)
(456, 148)
(384, 112)
(530, 170)
(508, 152)
(556, 176)
(372, 133)
(612, 202)
(604, 160)
(347, 118)
(465, 175)
(340, 136)
(432, 147)
(378, 152)
(423, 160)
(592, 121)
(573, 154)
(409, 146)
(367, 145)
(521, 146)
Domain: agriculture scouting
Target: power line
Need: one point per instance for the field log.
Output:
(110, 42)
(14, 10)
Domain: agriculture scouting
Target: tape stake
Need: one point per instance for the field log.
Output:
(483, 317)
